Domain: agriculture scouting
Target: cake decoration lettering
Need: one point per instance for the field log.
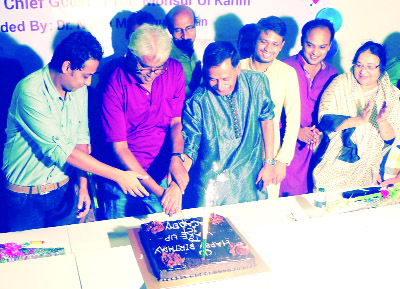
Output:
(172, 226)
(208, 251)
(171, 237)
(219, 244)
(175, 248)
(191, 236)
(210, 246)
(176, 225)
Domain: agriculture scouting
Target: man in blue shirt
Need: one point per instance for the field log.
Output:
(47, 130)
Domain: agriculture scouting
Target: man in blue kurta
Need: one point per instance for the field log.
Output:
(227, 124)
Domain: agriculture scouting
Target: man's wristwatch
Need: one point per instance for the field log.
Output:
(271, 162)
(180, 155)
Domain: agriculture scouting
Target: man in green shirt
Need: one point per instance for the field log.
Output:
(181, 23)
(47, 130)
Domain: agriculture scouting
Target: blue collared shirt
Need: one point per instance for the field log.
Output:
(42, 130)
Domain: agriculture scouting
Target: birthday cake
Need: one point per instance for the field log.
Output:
(174, 248)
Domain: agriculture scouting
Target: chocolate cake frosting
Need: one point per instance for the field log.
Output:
(173, 248)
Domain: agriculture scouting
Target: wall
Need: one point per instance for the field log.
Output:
(40, 24)
(365, 20)
(30, 29)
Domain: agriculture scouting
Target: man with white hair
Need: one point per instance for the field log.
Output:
(142, 105)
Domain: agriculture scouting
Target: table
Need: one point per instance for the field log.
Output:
(58, 272)
(350, 250)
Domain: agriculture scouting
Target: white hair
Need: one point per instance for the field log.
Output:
(151, 40)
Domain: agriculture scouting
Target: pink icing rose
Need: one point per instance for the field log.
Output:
(216, 219)
(155, 227)
(238, 248)
(171, 259)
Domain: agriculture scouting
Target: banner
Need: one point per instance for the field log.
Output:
(30, 29)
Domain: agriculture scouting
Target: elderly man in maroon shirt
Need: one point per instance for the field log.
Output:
(142, 105)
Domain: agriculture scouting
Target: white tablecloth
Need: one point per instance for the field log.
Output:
(351, 250)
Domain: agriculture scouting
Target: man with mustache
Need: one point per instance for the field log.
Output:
(227, 124)
(142, 107)
(181, 23)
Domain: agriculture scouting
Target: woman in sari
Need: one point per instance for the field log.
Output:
(359, 117)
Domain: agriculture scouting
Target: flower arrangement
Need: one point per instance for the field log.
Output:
(386, 197)
(390, 196)
(10, 252)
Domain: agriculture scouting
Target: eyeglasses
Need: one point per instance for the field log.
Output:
(368, 68)
(179, 31)
(147, 71)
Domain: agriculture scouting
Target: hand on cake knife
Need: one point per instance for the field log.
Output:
(182, 217)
